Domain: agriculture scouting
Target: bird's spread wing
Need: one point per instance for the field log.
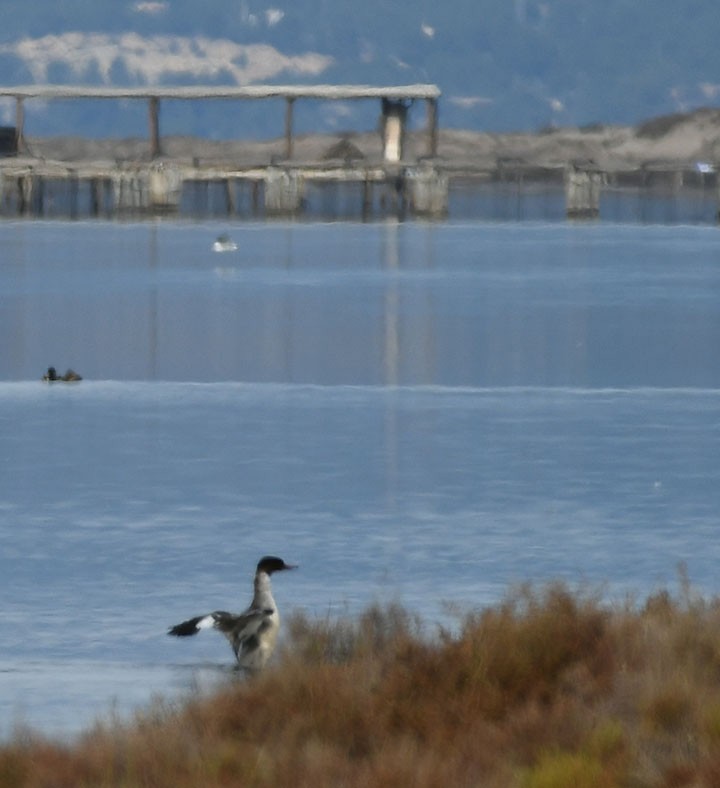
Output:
(237, 628)
(193, 625)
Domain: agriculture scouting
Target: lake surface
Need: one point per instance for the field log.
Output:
(427, 413)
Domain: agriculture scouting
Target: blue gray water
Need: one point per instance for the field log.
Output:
(427, 413)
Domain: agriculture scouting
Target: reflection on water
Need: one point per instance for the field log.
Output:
(468, 200)
(391, 303)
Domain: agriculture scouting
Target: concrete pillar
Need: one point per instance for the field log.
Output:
(130, 191)
(428, 189)
(394, 116)
(284, 191)
(164, 187)
(582, 192)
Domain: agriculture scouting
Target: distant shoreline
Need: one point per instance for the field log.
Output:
(684, 141)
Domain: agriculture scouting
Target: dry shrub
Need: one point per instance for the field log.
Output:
(13, 767)
(565, 770)
(525, 649)
(378, 631)
(548, 688)
(669, 709)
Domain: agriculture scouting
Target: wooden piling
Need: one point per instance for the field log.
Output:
(96, 189)
(19, 123)
(289, 105)
(582, 192)
(428, 189)
(154, 119)
(164, 187)
(25, 192)
(231, 196)
(393, 197)
(131, 192)
(432, 126)
(367, 198)
(284, 191)
(74, 196)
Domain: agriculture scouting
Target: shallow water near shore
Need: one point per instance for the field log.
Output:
(426, 413)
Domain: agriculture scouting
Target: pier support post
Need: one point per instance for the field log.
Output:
(432, 126)
(367, 197)
(289, 106)
(428, 189)
(284, 191)
(96, 196)
(73, 193)
(582, 192)
(231, 196)
(130, 191)
(154, 118)
(26, 190)
(394, 116)
(19, 124)
(164, 188)
(393, 199)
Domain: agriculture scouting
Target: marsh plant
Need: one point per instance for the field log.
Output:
(552, 687)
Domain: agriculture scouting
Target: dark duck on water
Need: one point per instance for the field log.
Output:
(51, 376)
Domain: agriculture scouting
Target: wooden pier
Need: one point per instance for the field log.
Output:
(156, 181)
(393, 171)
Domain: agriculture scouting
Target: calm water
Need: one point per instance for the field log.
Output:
(427, 413)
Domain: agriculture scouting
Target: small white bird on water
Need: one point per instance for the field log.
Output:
(252, 634)
(224, 243)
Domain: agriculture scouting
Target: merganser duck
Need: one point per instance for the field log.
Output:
(252, 634)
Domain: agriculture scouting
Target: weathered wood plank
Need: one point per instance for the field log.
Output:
(341, 92)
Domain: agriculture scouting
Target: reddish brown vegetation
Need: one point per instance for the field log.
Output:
(548, 689)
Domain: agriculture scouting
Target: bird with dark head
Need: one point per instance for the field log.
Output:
(51, 376)
(253, 633)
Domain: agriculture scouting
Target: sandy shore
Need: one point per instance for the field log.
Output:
(677, 141)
